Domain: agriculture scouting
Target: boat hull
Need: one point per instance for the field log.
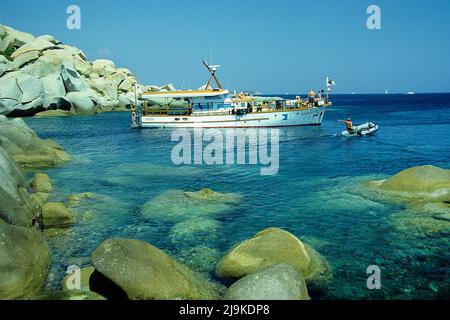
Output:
(365, 129)
(283, 118)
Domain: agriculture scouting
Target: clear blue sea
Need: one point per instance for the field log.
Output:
(319, 194)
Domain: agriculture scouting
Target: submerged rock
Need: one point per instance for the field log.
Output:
(92, 207)
(178, 204)
(195, 232)
(428, 181)
(201, 258)
(57, 215)
(24, 260)
(272, 246)
(142, 271)
(277, 282)
(77, 199)
(420, 220)
(425, 190)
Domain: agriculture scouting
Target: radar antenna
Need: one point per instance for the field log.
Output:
(212, 69)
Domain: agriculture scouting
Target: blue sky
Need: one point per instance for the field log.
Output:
(271, 46)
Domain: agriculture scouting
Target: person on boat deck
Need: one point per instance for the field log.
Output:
(349, 124)
(319, 94)
(312, 95)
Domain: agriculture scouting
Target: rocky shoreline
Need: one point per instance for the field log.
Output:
(42, 76)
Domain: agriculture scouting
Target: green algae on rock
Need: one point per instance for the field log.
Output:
(195, 232)
(177, 204)
(57, 215)
(41, 183)
(424, 181)
(276, 282)
(425, 190)
(201, 258)
(24, 261)
(142, 271)
(269, 247)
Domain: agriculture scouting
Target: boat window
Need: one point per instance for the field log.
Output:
(177, 119)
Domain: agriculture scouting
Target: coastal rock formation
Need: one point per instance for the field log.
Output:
(57, 215)
(24, 254)
(16, 206)
(142, 271)
(22, 93)
(425, 191)
(277, 282)
(178, 205)
(41, 183)
(428, 181)
(272, 246)
(26, 148)
(41, 73)
(24, 260)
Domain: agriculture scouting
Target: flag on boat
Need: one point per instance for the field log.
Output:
(330, 82)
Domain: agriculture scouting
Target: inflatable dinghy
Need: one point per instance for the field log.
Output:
(362, 130)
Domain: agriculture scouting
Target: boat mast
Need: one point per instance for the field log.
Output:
(212, 69)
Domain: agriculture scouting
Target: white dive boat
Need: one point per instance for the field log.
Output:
(362, 130)
(217, 108)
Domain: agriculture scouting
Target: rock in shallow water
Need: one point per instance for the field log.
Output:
(175, 205)
(57, 215)
(425, 191)
(272, 246)
(201, 258)
(41, 183)
(142, 271)
(26, 148)
(428, 181)
(277, 282)
(195, 232)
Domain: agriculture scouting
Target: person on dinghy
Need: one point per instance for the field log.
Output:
(349, 124)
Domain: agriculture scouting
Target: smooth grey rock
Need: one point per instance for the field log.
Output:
(72, 80)
(82, 102)
(277, 282)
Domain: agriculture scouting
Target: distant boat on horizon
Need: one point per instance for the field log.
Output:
(411, 92)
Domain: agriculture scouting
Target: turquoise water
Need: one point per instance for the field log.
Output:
(319, 194)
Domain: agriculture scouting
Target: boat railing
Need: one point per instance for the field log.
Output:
(289, 105)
